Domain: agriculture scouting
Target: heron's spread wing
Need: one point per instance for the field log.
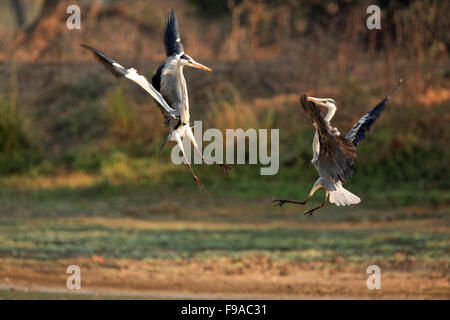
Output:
(172, 39)
(132, 74)
(336, 154)
(359, 129)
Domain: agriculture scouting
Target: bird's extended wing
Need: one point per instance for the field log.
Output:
(358, 132)
(172, 38)
(336, 154)
(132, 74)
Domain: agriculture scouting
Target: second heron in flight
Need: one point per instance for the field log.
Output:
(333, 154)
(168, 87)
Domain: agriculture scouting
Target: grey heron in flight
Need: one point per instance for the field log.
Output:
(333, 155)
(168, 88)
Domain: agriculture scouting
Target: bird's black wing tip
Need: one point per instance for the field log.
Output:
(92, 49)
(171, 18)
(96, 52)
(400, 82)
(86, 46)
(172, 35)
(116, 69)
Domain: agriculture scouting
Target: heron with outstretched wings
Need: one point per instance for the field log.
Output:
(333, 155)
(168, 87)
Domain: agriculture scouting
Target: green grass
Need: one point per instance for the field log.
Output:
(60, 238)
(52, 224)
(224, 190)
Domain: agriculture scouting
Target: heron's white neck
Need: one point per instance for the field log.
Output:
(330, 114)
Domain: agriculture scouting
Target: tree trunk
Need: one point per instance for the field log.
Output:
(31, 41)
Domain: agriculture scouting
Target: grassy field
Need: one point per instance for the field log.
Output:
(137, 241)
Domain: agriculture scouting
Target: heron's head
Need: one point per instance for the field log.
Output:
(324, 102)
(189, 62)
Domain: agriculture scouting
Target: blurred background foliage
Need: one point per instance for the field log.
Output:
(62, 113)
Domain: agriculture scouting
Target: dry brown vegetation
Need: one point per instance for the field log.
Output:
(264, 50)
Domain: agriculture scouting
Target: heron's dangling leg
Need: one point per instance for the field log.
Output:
(180, 144)
(164, 142)
(310, 212)
(191, 137)
(280, 202)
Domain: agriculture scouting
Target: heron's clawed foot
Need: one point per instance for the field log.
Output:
(310, 212)
(199, 183)
(224, 167)
(279, 203)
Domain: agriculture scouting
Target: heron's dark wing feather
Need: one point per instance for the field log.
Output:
(115, 68)
(358, 132)
(131, 74)
(172, 38)
(156, 82)
(156, 79)
(336, 154)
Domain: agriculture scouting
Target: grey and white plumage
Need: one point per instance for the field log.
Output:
(334, 155)
(169, 78)
(168, 87)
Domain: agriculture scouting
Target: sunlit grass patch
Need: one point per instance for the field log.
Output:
(59, 238)
(119, 169)
(49, 182)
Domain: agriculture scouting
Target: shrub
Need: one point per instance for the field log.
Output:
(17, 151)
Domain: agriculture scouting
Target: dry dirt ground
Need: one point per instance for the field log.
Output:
(251, 277)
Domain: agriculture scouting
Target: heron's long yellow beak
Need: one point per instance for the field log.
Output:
(316, 100)
(197, 65)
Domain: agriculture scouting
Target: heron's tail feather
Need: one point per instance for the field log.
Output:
(343, 197)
